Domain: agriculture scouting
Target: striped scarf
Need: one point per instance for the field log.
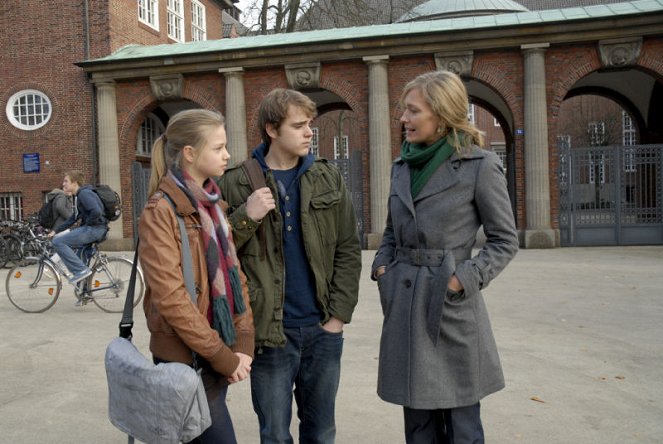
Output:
(220, 255)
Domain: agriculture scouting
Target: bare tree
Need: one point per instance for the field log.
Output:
(278, 16)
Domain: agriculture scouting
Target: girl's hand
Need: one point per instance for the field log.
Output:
(382, 269)
(243, 368)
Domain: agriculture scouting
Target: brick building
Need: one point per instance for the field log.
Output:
(50, 122)
(520, 67)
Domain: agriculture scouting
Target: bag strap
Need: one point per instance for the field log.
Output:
(254, 173)
(127, 323)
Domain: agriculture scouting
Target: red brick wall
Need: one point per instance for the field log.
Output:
(43, 58)
(46, 39)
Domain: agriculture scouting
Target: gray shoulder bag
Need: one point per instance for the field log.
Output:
(163, 403)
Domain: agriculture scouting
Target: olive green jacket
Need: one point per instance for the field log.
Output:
(330, 237)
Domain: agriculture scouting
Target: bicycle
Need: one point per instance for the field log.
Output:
(34, 284)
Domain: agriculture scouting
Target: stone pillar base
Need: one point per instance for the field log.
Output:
(541, 238)
(373, 240)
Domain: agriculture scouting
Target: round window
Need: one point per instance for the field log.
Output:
(29, 109)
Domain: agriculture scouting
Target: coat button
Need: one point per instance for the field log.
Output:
(407, 283)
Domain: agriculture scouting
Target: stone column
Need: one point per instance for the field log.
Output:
(235, 114)
(379, 141)
(109, 157)
(538, 233)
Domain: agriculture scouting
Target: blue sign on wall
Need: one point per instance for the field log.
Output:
(31, 163)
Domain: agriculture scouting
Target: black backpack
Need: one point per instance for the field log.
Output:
(47, 213)
(110, 200)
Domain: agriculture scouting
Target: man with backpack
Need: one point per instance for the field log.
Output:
(55, 210)
(89, 209)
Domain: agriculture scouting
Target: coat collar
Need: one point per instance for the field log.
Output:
(180, 199)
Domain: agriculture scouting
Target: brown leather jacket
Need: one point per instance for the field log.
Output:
(176, 326)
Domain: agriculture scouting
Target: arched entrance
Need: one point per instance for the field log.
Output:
(611, 160)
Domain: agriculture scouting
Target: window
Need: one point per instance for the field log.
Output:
(596, 132)
(148, 12)
(564, 141)
(500, 150)
(175, 10)
(149, 132)
(628, 139)
(315, 147)
(470, 113)
(596, 166)
(341, 152)
(29, 109)
(198, 22)
(11, 206)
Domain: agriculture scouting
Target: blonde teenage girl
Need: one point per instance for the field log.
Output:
(219, 328)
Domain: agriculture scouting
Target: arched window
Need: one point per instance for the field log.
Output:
(149, 132)
(29, 109)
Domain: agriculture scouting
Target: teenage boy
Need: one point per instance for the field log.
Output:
(298, 246)
(92, 228)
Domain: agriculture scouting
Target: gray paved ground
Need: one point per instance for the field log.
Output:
(580, 331)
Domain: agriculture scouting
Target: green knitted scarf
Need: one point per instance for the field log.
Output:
(424, 161)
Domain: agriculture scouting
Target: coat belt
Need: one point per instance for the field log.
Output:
(429, 258)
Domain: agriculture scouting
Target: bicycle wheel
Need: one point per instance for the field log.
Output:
(108, 284)
(4, 257)
(33, 286)
(13, 248)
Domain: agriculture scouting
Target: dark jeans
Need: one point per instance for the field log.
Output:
(77, 238)
(311, 362)
(216, 388)
(460, 425)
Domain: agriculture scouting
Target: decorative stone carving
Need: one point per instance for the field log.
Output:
(457, 62)
(167, 87)
(303, 75)
(620, 53)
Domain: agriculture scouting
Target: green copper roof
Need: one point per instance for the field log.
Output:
(365, 32)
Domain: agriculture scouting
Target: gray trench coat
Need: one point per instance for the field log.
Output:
(437, 348)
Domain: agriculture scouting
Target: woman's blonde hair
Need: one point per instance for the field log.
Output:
(445, 93)
(184, 128)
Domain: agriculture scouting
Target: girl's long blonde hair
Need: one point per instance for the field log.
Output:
(186, 128)
(445, 93)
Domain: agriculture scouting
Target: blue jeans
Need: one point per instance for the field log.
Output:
(79, 237)
(311, 362)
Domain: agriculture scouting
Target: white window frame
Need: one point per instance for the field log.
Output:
(564, 138)
(11, 206)
(471, 113)
(175, 11)
(596, 132)
(148, 13)
(342, 152)
(198, 22)
(595, 158)
(629, 137)
(29, 109)
(500, 150)
(148, 133)
(315, 141)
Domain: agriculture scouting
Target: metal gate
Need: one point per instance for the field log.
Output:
(351, 169)
(140, 179)
(610, 195)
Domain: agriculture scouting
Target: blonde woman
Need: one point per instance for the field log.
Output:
(438, 358)
(219, 328)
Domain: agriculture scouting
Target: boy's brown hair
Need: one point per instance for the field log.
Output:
(274, 109)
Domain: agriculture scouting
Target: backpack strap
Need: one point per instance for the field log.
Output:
(254, 173)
